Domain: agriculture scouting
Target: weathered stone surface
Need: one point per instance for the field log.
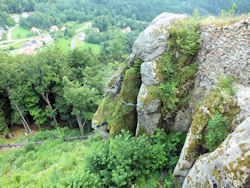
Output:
(224, 50)
(113, 85)
(104, 113)
(242, 97)
(183, 118)
(151, 43)
(148, 109)
(227, 166)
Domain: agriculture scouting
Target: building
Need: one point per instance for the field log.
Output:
(63, 28)
(35, 30)
(127, 30)
(53, 28)
(27, 51)
(16, 18)
(82, 36)
(47, 38)
(25, 14)
(96, 30)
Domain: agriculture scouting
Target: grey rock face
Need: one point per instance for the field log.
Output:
(151, 43)
(113, 86)
(148, 110)
(227, 166)
(149, 74)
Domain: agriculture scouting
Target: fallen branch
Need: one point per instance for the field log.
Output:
(41, 142)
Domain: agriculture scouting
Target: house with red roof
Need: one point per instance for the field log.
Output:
(127, 30)
(35, 30)
(53, 28)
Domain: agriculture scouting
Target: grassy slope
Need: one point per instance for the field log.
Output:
(85, 45)
(42, 166)
(14, 46)
(20, 33)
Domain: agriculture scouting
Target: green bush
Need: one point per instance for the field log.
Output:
(124, 158)
(216, 131)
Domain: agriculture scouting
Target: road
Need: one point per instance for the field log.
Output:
(73, 41)
(8, 42)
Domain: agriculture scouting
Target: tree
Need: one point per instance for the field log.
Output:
(83, 98)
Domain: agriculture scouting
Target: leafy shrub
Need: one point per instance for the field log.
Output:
(216, 131)
(125, 158)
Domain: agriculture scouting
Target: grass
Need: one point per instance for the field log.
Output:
(75, 25)
(63, 43)
(223, 20)
(13, 46)
(84, 45)
(46, 165)
(20, 33)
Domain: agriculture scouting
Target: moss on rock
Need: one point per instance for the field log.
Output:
(125, 116)
(105, 110)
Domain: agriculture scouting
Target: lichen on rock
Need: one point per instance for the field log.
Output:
(220, 100)
(227, 166)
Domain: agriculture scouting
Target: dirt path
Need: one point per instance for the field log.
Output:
(9, 32)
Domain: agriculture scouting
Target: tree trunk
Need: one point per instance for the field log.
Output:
(46, 98)
(79, 121)
(24, 122)
(70, 124)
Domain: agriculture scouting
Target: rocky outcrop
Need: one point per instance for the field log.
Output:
(133, 100)
(227, 166)
(236, 109)
(152, 42)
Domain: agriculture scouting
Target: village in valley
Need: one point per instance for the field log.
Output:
(17, 40)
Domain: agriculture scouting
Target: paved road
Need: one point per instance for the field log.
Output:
(73, 41)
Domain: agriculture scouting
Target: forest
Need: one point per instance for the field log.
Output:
(106, 12)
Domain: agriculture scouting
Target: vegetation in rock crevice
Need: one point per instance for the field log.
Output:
(178, 67)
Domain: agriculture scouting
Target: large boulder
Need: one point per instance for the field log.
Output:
(152, 42)
(227, 166)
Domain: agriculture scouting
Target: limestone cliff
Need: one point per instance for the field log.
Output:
(175, 87)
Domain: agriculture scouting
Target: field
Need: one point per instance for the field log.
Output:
(85, 45)
(13, 46)
(20, 33)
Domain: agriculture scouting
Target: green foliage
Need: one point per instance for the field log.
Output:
(124, 158)
(216, 131)
(58, 133)
(177, 65)
(53, 164)
(172, 143)
(230, 12)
